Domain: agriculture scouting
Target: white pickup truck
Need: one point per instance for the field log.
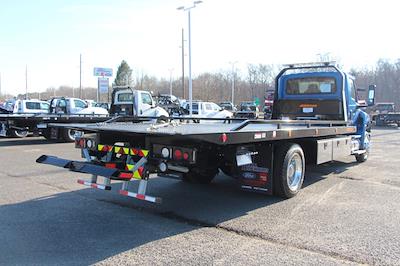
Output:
(31, 107)
(207, 110)
(128, 101)
(74, 106)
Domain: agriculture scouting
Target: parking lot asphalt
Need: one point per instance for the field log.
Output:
(346, 213)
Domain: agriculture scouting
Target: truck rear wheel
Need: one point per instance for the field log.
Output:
(200, 176)
(19, 133)
(289, 168)
(68, 135)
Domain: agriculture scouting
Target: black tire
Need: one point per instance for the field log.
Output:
(67, 135)
(162, 119)
(227, 121)
(19, 133)
(289, 168)
(362, 157)
(379, 122)
(46, 134)
(200, 176)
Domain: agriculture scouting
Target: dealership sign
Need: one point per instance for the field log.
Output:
(103, 85)
(102, 72)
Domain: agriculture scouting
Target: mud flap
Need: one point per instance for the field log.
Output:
(257, 174)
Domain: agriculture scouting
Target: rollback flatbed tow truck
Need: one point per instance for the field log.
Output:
(316, 119)
(125, 101)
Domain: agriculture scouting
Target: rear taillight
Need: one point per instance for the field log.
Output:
(177, 154)
(83, 143)
(182, 154)
(223, 138)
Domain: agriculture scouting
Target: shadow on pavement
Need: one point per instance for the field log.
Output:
(87, 226)
(4, 142)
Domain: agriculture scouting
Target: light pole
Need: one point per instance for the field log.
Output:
(190, 54)
(170, 82)
(233, 81)
(26, 82)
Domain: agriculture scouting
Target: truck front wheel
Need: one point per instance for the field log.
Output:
(289, 168)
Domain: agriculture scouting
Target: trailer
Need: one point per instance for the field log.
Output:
(125, 101)
(19, 125)
(267, 156)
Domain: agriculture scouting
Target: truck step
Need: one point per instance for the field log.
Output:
(140, 196)
(94, 185)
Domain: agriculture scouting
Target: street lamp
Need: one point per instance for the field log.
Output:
(233, 81)
(190, 54)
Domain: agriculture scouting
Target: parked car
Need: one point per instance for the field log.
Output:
(248, 110)
(268, 104)
(228, 106)
(207, 110)
(170, 103)
(103, 105)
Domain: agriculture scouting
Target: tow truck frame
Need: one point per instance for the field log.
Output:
(267, 156)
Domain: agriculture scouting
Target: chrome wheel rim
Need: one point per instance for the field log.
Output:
(294, 172)
(21, 133)
(71, 134)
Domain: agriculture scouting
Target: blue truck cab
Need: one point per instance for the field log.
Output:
(321, 91)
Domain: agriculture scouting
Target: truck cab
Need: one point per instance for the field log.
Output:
(131, 102)
(31, 107)
(321, 92)
(64, 105)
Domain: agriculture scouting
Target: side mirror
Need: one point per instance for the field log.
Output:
(371, 95)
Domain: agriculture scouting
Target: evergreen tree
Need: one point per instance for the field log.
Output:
(124, 75)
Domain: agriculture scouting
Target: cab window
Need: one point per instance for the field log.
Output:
(208, 107)
(125, 97)
(32, 105)
(352, 89)
(313, 85)
(146, 98)
(44, 106)
(215, 107)
(79, 104)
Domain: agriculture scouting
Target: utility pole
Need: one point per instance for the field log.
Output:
(233, 81)
(183, 66)
(170, 82)
(80, 76)
(26, 82)
(190, 54)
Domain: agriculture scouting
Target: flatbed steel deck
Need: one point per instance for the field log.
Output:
(246, 132)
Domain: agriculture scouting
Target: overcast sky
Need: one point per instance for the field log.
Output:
(48, 36)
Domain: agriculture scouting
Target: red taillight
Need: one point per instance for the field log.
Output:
(185, 156)
(80, 143)
(177, 154)
(224, 138)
